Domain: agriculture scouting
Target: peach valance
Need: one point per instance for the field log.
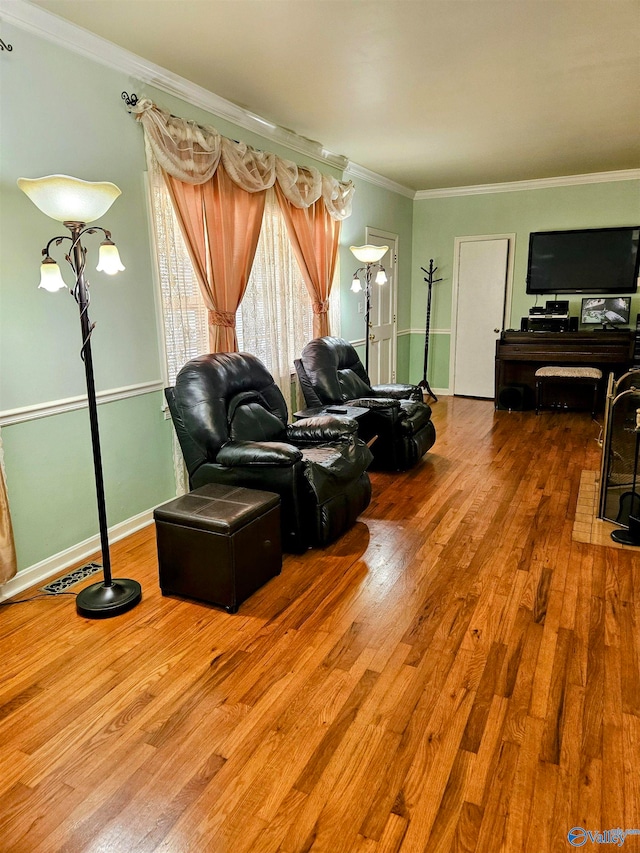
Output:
(191, 153)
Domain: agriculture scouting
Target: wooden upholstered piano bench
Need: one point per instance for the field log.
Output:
(218, 544)
(555, 386)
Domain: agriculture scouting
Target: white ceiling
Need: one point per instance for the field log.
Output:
(428, 93)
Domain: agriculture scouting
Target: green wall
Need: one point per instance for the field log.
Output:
(62, 113)
(438, 221)
(50, 473)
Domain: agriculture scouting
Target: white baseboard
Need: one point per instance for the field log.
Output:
(42, 571)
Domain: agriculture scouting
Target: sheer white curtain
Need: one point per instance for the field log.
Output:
(184, 315)
(276, 317)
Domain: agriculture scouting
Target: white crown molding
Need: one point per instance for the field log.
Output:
(76, 39)
(356, 171)
(57, 407)
(46, 569)
(539, 184)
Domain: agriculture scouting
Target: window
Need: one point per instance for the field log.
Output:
(275, 318)
(183, 312)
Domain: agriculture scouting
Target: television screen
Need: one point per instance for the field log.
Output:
(608, 312)
(599, 260)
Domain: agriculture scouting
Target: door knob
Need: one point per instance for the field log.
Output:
(372, 337)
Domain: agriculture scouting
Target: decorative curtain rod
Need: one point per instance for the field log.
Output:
(132, 99)
(5, 46)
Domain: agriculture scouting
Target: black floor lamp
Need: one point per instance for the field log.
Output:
(370, 256)
(75, 203)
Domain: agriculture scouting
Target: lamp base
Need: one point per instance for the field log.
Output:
(100, 602)
(632, 535)
(624, 537)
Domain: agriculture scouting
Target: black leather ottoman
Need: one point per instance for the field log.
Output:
(218, 544)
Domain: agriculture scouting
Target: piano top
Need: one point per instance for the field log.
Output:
(601, 345)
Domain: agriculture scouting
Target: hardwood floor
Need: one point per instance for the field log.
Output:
(455, 674)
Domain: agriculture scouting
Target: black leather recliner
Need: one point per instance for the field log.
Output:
(231, 421)
(331, 373)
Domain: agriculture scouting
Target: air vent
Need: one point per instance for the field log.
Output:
(62, 584)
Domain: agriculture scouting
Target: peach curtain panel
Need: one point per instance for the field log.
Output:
(315, 237)
(8, 562)
(221, 226)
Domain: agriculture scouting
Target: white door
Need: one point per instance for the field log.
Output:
(482, 266)
(382, 319)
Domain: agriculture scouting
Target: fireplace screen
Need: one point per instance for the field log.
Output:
(619, 495)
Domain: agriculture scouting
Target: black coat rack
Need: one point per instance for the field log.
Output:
(430, 280)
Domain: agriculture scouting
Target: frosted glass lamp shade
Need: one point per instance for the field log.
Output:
(369, 254)
(109, 258)
(67, 199)
(356, 285)
(50, 276)
(381, 277)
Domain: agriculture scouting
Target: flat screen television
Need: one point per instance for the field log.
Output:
(606, 311)
(595, 260)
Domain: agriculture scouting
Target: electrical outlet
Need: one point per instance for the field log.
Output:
(359, 307)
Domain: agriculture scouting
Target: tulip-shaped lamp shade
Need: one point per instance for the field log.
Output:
(109, 258)
(369, 254)
(50, 276)
(381, 277)
(67, 199)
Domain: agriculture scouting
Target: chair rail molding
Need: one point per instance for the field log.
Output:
(421, 332)
(9, 417)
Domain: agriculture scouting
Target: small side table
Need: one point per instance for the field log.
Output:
(218, 544)
(353, 412)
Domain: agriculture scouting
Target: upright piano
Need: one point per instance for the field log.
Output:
(520, 354)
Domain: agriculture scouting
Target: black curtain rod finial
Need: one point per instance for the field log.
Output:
(130, 100)
(5, 46)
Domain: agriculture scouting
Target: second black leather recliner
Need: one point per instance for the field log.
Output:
(231, 421)
(331, 373)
